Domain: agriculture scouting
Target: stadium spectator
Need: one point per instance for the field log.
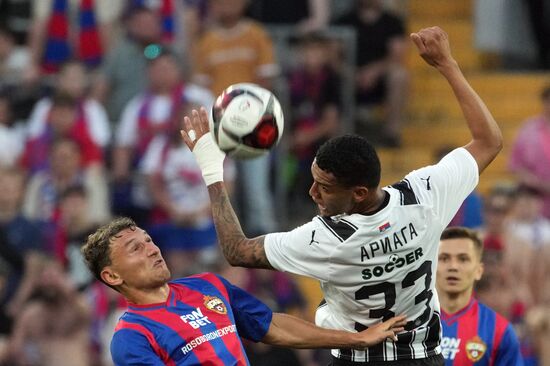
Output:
(14, 60)
(21, 242)
(181, 221)
(530, 156)
(472, 331)
(497, 206)
(11, 134)
(381, 77)
(90, 125)
(237, 50)
(123, 74)
(305, 15)
(53, 327)
(315, 109)
(71, 29)
(45, 188)
(539, 14)
(149, 114)
(373, 249)
(181, 321)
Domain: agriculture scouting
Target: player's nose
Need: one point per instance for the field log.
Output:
(152, 249)
(313, 190)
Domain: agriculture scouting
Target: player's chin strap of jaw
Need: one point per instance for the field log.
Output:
(210, 159)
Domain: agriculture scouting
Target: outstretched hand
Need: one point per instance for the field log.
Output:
(382, 331)
(196, 134)
(195, 127)
(433, 45)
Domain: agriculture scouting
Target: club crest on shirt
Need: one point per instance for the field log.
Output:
(215, 304)
(475, 348)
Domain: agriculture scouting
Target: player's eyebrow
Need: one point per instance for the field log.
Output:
(128, 242)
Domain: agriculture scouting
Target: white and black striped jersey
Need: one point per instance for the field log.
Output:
(372, 267)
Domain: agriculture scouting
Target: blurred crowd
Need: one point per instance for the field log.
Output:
(91, 98)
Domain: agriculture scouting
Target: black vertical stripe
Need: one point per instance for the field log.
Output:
(345, 354)
(402, 346)
(408, 197)
(376, 352)
(432, 339)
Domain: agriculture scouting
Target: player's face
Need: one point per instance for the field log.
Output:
(331, 198)
(459, 266)
(137, 261)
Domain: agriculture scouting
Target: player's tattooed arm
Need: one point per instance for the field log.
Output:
(236, 247)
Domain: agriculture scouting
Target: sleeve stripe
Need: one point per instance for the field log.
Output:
(147, 334)
(501, 325)
(342, 229)
(408, 197)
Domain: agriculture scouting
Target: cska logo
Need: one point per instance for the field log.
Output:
(475, 348)
(215, 304)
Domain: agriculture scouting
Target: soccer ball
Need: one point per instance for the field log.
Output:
(247, 121)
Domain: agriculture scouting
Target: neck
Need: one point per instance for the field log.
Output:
(229, 23)
(147, 296)
(373, 204)
(453, 302)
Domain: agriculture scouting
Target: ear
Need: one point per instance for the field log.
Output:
(479, 271)
(111, 277)
(360, 193)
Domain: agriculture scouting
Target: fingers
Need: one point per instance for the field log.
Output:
(196, 121)
(194, 127)
(390, 335)
(187, 126)
(204, 120)
(418, 42)
(396, 321)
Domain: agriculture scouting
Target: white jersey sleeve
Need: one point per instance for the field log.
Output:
(304, 250)
(446, 184)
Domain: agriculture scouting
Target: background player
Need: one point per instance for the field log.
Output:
(194, 320)
(472, 332)
(375, 248)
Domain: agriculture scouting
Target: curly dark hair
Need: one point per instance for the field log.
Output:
(97, 250)
(351, 159)
(459, 232)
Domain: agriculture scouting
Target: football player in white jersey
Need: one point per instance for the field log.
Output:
(373, 249)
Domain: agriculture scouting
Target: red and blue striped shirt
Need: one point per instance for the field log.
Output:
(477, 335)
(200, 324)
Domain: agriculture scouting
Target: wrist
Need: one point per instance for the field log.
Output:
(210, 159)
(448, 67)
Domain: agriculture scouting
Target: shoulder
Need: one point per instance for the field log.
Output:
(342, 228)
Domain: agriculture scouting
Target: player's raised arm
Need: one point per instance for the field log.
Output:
(236, 247)
(433, 46)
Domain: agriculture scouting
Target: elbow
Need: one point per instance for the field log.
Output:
(235, 255)
(498, 143)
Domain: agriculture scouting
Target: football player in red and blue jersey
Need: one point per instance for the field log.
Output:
(196, 320)
(473, 334)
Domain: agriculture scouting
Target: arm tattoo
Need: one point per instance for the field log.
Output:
(236, 247)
